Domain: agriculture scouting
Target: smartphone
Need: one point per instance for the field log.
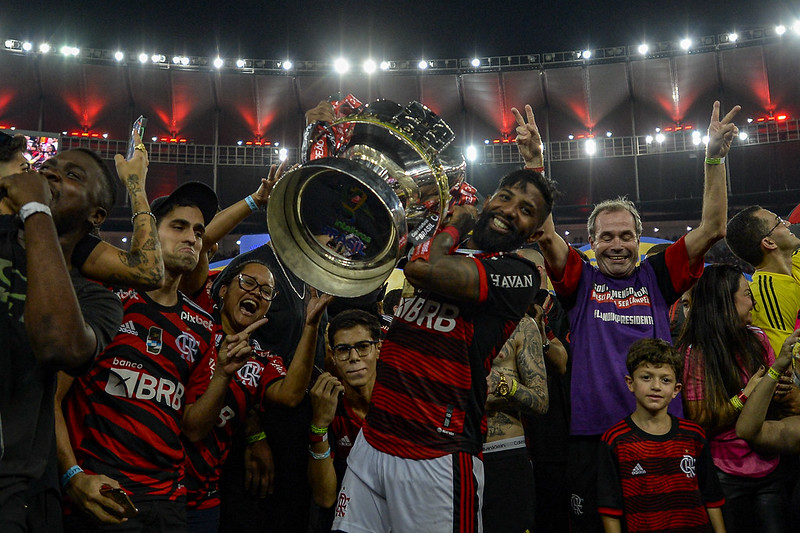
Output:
(138, 127)
(121, 497)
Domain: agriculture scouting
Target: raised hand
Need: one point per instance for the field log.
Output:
(529, 141)
(323, 112)
(261, 196)
(235, 350)
(316, 306)
(721, 132)
(133, 173)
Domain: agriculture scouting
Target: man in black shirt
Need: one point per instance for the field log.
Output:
(50, 317)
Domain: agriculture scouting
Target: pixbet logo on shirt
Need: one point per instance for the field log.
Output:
(197, 319)
(126, 383)
(428, 313)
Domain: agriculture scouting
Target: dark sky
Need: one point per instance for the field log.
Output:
(396, 30)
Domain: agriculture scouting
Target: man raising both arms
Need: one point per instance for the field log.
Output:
(614, 304)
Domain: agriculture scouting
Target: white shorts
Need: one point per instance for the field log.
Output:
(382, 493)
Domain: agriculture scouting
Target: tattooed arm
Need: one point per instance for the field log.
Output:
(452, 275)
(141, 267)
(524, 345)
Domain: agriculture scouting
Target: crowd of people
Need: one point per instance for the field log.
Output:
(141, 392)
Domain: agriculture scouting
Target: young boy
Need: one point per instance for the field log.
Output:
(655, 470)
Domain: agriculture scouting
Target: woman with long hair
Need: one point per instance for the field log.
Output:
(725, 359)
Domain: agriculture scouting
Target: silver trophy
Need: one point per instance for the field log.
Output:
(342, 223)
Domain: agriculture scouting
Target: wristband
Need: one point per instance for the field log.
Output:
(137, 213)
(316, 430)
(714, 160)
(315, 437)
(33, 207)
(513, 390)
(319, 456)
(742, 396)
(736, 403)
(251, 203)
(774, 374)
(455, 234)
(69, 474)
(540, 170)
(255, 438)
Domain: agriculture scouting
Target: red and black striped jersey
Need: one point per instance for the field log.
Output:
(657, 482)
(430, 391)
(204, 458)
(344, 430)
(124, 416)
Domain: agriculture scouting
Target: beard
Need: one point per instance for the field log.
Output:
(489, 240)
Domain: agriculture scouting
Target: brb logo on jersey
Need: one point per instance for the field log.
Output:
(428, 313)
(129, 383)
(187, 345)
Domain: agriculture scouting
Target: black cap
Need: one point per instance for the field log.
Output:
(196, 192)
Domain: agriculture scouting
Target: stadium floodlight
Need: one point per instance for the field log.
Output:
(733, 37)
(796, 27)
(341, 65)
(696, 138)
(686, 43)
(590, 147)
(472, 153)
(570, 136)
(119, 56)
(27, 46)
(660, 138)
(780, 29)
(643, 48)
(422, 65)
(185, 61)
(218, 62)
(742, 135)
(287, 65)
(385, 65)
(609, 134)
(66, 50)
(283, 154)
(649, 139)
(142, 58)
(476, 62)
(586, 54)
(705, 140)
(44, 48)
(240, 63)
(369, 66)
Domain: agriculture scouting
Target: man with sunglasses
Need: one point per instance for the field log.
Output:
(764, 240)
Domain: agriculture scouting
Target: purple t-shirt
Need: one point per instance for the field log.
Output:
(606, 316)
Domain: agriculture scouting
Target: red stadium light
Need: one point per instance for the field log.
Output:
(171, 140)
(782, 117)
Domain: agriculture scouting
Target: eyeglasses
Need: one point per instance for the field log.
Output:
(780, 221)
(342, 351)
(249, 284)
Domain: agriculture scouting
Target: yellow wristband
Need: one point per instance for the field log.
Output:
(714, 160)
(774, 374)
(257, 437)
(737, 403)
(513, 387)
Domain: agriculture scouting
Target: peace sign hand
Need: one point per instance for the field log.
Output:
(721, 132)
(529, 141)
